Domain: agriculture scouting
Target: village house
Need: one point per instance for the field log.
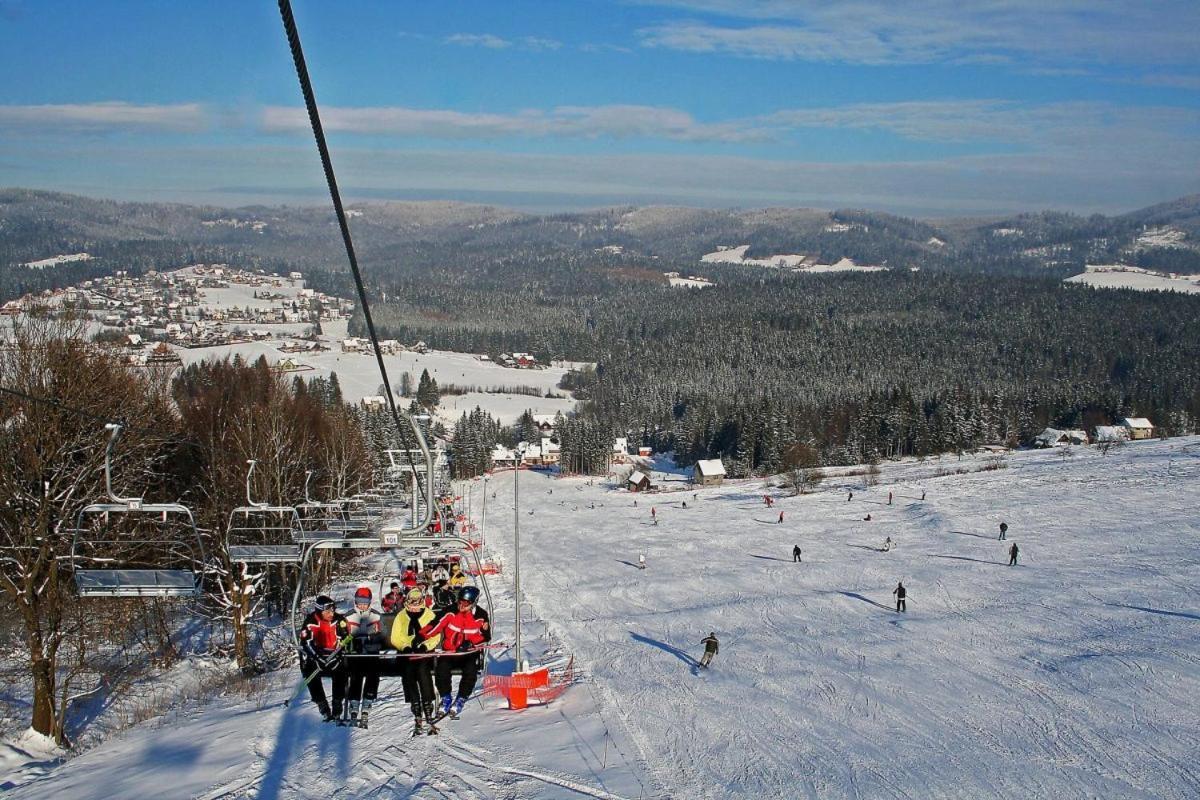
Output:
(503, 456)
(638, 482)
(1052, 437)
(1138, 427)
(620, 450)
(352, 345)
(374, 402)
(544, 423)
(1111, 433)
(709, 472)
(391, 347)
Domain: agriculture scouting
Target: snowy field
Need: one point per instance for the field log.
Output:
(1073, 674)
(1120, 277)
(358, 374)
(737, 255)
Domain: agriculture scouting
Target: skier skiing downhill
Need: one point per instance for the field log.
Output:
(900, 593)
(1003, 531)
(1012, 554)
(321, 641)
(795, 553)
(462, 632)
(711, 648)
(417, 674)
(641, 560)
(366, 639)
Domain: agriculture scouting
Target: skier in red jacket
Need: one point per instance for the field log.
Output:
(461, 633)
(321, 645)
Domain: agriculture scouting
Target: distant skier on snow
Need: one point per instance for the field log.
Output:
(796, 554)
(641, 560)
(1012, 554)
(850, 496)
(889, 498)
(711, 648)
(900, 593)
(780, 517)
(887, 544)
(1003, 531)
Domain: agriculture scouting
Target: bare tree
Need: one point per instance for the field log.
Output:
(51, 465)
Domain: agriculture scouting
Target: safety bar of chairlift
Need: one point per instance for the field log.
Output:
(386, 541)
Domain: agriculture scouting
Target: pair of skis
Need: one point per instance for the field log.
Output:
(355, 719)
(429, 726)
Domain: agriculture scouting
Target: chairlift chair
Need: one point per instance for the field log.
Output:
(178, 567)
(260, 533)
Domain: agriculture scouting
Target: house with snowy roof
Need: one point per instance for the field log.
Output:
(638, 481)
(503, 456)
(1138, 427)
(1052, 437)
(709, 472)
(1111, 433)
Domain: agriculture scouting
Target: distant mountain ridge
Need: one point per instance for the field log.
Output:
(35, 225)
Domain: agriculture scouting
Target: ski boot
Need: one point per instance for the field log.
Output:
(352, 712)
(447, 702)
(363, 711)
(457, 708)
(336, 714)
(418, 721)
(326, 714)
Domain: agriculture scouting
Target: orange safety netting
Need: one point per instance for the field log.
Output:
(539, 686)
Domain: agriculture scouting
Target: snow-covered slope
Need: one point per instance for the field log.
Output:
(1073, 674)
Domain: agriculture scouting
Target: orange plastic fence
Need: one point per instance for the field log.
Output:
(539, 686)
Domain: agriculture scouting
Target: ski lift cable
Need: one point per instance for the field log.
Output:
(314, 118)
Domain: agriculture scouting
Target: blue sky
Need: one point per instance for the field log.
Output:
(928, 107)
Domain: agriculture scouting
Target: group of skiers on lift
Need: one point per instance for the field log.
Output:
(435, 632)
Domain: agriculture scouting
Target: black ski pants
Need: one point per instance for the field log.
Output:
(418, 683)
(900, 606)
(364, 679)
(316, 690)
(468, 662)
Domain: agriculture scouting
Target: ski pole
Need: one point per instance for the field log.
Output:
(315, 672)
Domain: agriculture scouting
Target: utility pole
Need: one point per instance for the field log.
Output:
(517, 560)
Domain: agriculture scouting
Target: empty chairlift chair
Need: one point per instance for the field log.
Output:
(260, 533)
(128, 548)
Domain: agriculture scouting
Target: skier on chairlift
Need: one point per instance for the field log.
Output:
(366, 634)
(321, 642)
(393, 599)
(417, 673)
(461, 633)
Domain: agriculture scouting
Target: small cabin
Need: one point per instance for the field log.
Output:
(710, 472)
(638, 482)
(1138, 427)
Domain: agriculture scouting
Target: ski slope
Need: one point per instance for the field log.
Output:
(1073, 674)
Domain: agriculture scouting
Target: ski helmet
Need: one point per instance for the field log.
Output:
(469, 594)
(325, 601)
(362, 596)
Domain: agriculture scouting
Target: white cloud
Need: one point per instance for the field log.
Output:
(924, 31)
(614, 121)
(493, 42)
(478, 40)
(110, 116)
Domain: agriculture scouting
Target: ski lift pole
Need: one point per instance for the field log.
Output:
(517, 563)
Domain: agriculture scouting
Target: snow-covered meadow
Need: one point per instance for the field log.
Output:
(1072, 674)
(1119, 276)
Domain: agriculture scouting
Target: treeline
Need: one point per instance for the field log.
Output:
(860, 366)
